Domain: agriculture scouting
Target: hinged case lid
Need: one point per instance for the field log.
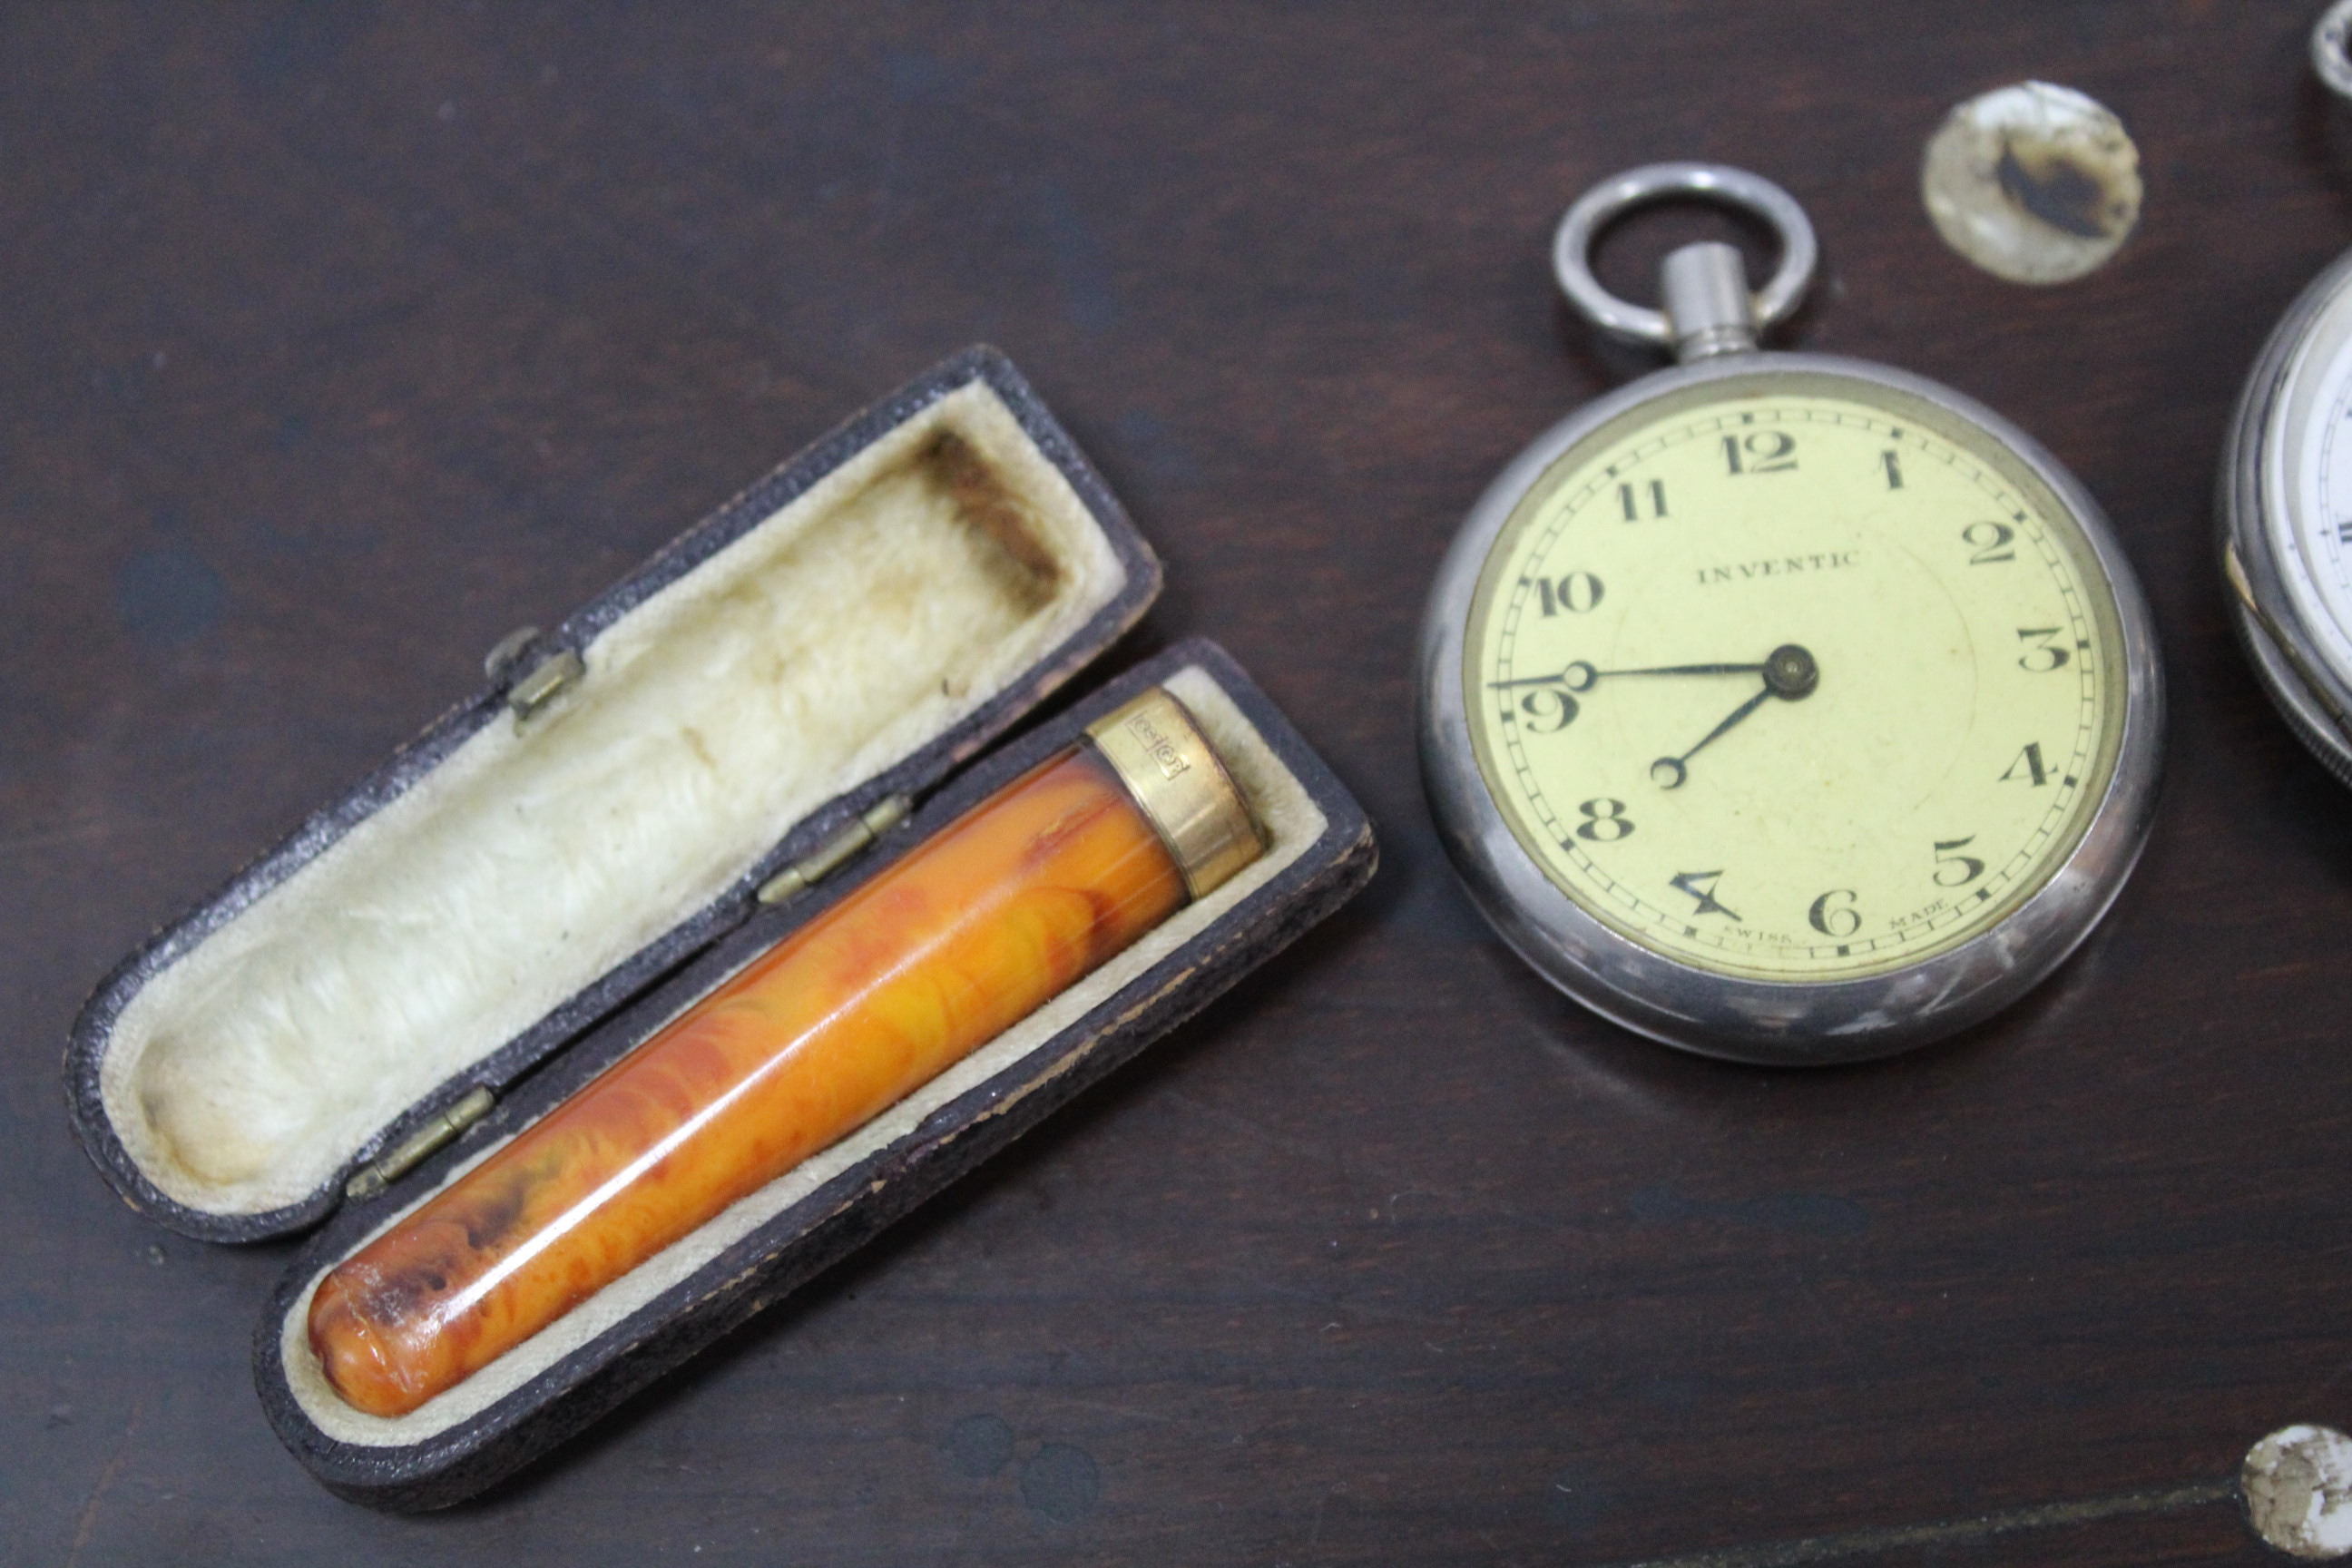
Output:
(833, 641)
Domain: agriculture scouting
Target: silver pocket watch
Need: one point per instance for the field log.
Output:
(2286, 500)
(1783, 706)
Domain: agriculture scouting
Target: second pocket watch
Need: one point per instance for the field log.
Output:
(2287, 491)
(1784, 707)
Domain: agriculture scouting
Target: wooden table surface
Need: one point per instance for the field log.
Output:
(339, 340)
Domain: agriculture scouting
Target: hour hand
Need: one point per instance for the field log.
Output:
(1789, 674)
(1669, 772)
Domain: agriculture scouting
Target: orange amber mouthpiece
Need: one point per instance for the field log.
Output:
(1012, 903)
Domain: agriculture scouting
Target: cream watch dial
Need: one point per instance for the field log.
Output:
(1794, 677)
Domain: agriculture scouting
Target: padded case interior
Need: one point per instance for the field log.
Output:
(861, 620)
(1293, 823)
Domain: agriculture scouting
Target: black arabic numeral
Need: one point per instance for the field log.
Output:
(1606, 821)
(1579, 593)
(1989, 542)
(2032, 770)
(1968, 866)
(1762, 452)
(2044, 655)
(1894, 461)
(1545, 703)
(1632, 501)
(1700, 884)
(1834, 919)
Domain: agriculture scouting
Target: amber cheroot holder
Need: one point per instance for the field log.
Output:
(1010, 905)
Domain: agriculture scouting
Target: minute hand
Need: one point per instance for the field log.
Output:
(1686, 669)
(1580, 677)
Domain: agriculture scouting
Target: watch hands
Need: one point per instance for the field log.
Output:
(1788, 674)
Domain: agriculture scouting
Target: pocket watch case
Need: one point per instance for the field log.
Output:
(705, 757)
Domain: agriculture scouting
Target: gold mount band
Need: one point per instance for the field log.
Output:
(1181, 784)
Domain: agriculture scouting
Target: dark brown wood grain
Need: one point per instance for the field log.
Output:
(339, 340)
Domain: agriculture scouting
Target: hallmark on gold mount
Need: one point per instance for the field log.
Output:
(1159, 747)
(1173, 772)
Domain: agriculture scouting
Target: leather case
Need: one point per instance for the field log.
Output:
(695, 763)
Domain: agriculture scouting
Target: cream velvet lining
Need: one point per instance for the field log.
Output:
(828, 643)
(1293, 822)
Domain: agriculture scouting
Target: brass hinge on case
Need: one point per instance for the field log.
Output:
(546, 682)
(546, 679)
(372, 1179)
(837, 851)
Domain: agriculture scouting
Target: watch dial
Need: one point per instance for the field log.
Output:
(1794, 677)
